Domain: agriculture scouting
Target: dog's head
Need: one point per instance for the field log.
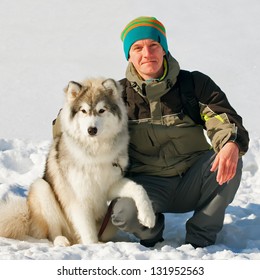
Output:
(94, 108)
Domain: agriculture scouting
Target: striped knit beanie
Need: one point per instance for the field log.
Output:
(143, 28)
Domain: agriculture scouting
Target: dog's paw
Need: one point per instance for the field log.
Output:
(147, 219)
(146, 214)
(61, 241)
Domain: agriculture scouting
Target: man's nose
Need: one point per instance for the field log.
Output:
(146, 51)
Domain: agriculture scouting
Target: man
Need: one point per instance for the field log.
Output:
(169, 154)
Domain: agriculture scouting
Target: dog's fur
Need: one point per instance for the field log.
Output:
(83, 172)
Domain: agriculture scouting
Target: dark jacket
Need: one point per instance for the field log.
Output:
(163, 140)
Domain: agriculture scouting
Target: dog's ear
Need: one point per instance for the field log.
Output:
(73, 90)
(113, 87)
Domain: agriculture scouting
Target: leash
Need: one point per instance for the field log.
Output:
(106, 218)
(110, 207)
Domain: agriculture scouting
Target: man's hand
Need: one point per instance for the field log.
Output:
(225, 163)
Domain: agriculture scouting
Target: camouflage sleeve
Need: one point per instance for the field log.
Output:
(222, 122)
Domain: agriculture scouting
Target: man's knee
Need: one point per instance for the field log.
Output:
(124, 215)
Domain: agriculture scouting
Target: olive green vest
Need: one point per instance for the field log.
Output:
(163, 145)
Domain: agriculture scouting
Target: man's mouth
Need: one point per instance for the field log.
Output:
(147, 62)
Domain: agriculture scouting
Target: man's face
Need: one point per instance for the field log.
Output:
(147, 58)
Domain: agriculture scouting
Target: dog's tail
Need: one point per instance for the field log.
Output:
(14, 218)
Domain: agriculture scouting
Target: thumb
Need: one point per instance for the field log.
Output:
(215, 164)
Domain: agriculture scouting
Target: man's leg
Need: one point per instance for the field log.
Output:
(199, 191)
(124, 215)
(202, 228)
(196, 190)
(168, 195)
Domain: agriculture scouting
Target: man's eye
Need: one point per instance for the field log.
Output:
(154, 46)
(137, 49)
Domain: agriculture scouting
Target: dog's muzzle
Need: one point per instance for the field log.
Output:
(92, 130)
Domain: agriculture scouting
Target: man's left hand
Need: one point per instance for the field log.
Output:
(225, 163)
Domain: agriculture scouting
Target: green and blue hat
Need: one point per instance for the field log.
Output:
(143, 28)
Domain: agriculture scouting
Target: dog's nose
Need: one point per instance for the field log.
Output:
(92, 130)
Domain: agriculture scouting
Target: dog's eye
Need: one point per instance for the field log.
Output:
(101, 111)
(83, 111)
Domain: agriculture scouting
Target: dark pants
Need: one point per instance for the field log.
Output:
(197, 190)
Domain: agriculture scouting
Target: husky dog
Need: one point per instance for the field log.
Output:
(83, 172)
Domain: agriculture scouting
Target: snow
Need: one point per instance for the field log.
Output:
(45, 44)
(21, 161)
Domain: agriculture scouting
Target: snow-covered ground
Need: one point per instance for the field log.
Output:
(22, 161)
(45, 44)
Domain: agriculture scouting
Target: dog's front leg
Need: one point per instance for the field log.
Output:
(128, 188)
(84, 223)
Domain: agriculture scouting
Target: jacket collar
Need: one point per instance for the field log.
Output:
(152, 91)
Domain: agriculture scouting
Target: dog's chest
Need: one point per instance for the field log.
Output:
(92, 183)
